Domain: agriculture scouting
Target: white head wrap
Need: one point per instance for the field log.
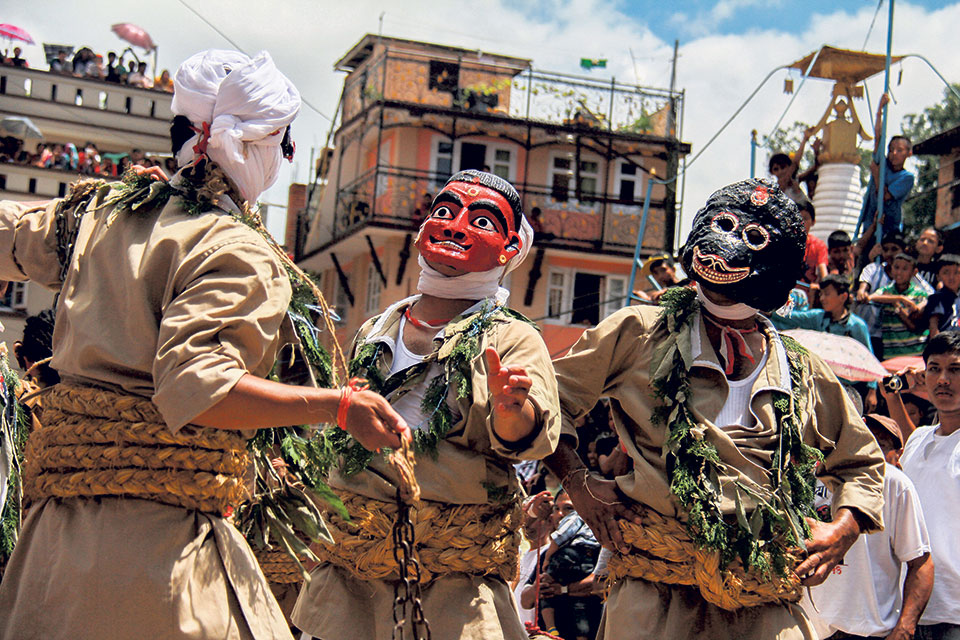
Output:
(247, 103)
(479, 284)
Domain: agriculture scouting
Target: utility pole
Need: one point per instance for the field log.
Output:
(673, 143)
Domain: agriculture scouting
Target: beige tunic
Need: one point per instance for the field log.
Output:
(175, 308)
(470, 460)
(613, 360)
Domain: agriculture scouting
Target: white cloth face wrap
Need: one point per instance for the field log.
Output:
(738, 311)
(475, 285)
(247, 103)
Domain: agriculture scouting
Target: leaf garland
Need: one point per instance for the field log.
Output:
(14, 429)
(461, 345)
(763, 539)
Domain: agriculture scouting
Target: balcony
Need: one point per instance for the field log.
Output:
(114, 117)
(27, 182)
(431, 84)
(391, 198)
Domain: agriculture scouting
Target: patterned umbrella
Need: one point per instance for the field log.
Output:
(134, 35)
(13, 32)
(846, 357)
(19, 127)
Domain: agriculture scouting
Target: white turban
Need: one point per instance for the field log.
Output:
(246, 103)
(475, 285)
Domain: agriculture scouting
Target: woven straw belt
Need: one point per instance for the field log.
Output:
(475, 539)
(94, 442)
(279, 567)
(662, 551)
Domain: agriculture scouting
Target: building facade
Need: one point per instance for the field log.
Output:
(116, 118)
(580, 152)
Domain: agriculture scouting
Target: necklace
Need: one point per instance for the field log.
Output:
(423, 324)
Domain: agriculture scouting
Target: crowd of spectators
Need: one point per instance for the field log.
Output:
(85, 159)
(84, 63)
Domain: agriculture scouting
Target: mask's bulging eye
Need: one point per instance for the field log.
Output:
(484, 222)
(443, 213)
(725, 222)
(755, 236)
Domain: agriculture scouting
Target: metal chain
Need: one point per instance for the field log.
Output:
(406, 590)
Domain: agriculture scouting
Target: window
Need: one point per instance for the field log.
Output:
(628, 182)
(560, 176)
(32, 185)
(501, 163)
(374, 286)
(444, 76)
(3, 182)
(589, 174)
(442, 162)
(616, 294)
(555, 294)
(16, 297)
(587, 289)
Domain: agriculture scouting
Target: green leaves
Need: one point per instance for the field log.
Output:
(759, 538)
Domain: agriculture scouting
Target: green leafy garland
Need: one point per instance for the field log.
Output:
(461, 346)
(762, 539)
(14, 429)
(282, 511)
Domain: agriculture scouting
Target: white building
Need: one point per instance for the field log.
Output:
(116, 118)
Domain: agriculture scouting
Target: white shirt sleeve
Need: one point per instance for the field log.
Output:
(910, 539)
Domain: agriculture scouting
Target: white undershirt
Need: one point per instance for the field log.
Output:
(736, 410)
(408, 405)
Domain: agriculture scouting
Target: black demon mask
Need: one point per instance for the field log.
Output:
(747, 243)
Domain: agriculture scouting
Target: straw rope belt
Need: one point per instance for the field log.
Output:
(662, 551)
(95, 442)
(279, 567)
(475, 539)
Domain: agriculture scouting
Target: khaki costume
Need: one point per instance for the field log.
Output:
(470, 460)
(613, 360)
(174, 308)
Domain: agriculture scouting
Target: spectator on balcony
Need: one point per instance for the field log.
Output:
(140, 77)
(81, 60)
(123, 165)
(71, 160)
(114, 70)
(91, 159)
(17, 60)
(137, 157)
(95, 68)
(164, 82)
(61, 64)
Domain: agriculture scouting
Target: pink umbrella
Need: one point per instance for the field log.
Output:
(13, 32)
(846, 357)
(134, 35)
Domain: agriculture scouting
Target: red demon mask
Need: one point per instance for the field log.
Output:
(471, 227)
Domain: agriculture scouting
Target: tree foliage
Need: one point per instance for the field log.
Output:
(920, 207)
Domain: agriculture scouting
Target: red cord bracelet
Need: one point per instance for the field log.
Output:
(353, 384)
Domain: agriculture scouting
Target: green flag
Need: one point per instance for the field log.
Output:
(591, 63)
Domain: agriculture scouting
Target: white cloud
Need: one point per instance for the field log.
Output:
(717, 71)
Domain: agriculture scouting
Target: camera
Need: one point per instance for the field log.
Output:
(893, 383)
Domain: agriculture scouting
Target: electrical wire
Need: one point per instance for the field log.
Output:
(242, 50)
(872, 22)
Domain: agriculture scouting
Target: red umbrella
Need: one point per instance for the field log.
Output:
(13, 32)
(134, 35)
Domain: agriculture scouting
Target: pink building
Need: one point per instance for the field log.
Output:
(579, 151)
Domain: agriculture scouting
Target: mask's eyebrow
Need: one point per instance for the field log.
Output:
(491, 207)
(448, 196)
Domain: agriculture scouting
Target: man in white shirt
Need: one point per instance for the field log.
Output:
(863, 597)
(931, 459)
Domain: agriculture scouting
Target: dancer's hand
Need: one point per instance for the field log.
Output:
(509, 386)
(374, 423)
(601, 504)
(154, 172)
(828, 543)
